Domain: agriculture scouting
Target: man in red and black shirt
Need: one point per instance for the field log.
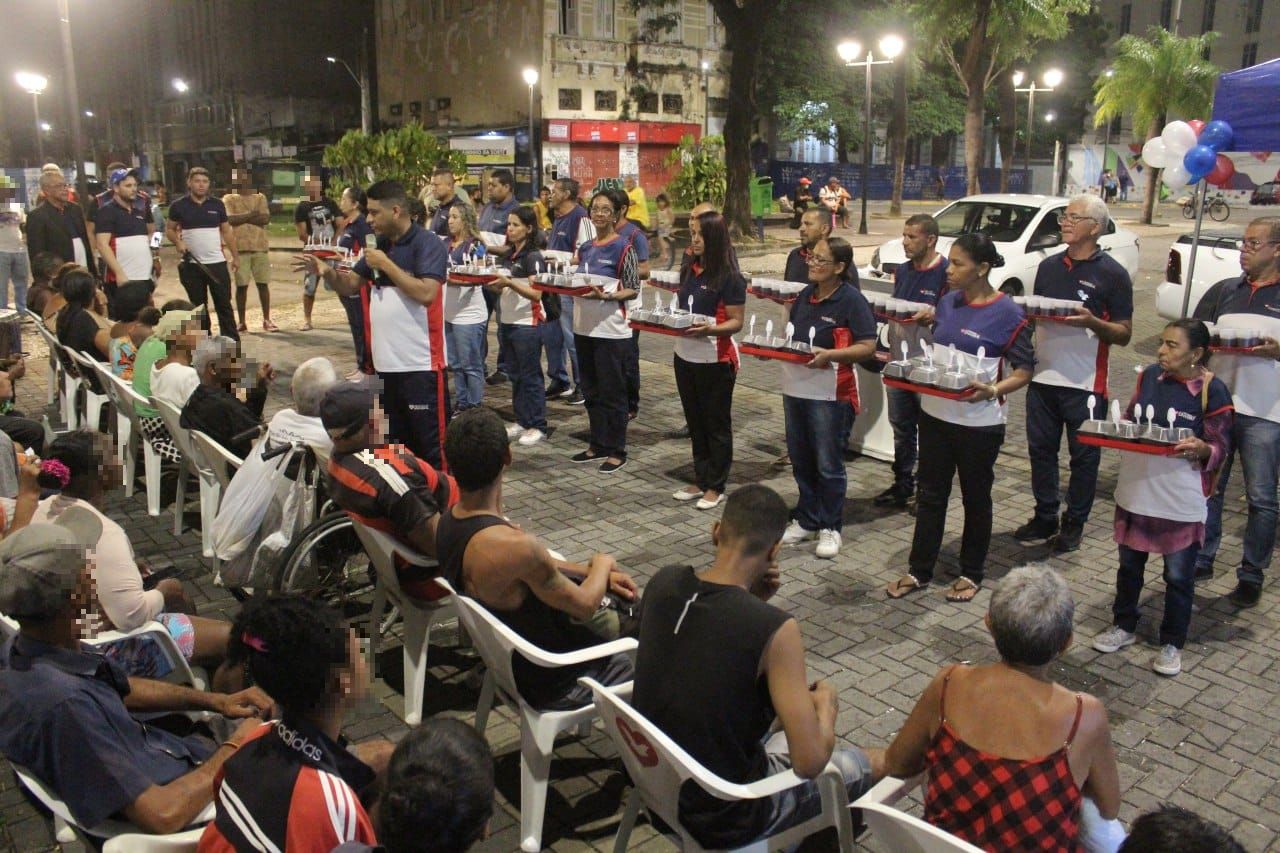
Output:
(383, 486)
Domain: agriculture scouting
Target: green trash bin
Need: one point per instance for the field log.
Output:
(761, 196)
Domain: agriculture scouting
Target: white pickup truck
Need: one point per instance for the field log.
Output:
(1217, 259)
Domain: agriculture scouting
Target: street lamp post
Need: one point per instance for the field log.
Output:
(34, 84)
(890, 47)
(1052, 78)
(706, 99)
(530, 76)
(366, 119)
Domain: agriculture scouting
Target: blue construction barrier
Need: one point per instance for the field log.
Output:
(918, 182)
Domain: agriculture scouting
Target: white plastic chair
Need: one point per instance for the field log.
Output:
(136, 842)
(94, 395)
(419, 616)
(126, 401)
(124, 426)
(55, 367)
(192, 461)
(66, 829)
(181, 672)
(658, 767)
(68, 383)
(221, 461)
(902, 832)
(495, 643)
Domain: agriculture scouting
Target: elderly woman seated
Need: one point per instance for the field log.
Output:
(1011, 755)
(302, 423)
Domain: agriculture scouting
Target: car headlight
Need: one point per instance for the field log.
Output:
(875, 259)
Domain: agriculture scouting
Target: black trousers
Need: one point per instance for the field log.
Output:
(633, 373)
(603, 362)
(706, 395)
(201, 285)
(23, 430)
(945, 450)
(417, 407)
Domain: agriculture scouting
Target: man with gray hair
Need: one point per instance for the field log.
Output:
(65, 711)
(302, 423)
(213, 407)
(58, 225)
(1071, 366)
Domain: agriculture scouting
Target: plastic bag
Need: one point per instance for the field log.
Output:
(244, 506)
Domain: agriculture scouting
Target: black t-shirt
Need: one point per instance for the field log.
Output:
(78, 331)
(697, 680)
(319, 217)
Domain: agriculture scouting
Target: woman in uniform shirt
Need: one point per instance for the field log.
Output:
(964, 436)
(466, 317)
(832, 313)
(522, 316)
(706, 358)
(602, 336)
(355, 229)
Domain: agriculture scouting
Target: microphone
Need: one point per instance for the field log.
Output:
(371, 242)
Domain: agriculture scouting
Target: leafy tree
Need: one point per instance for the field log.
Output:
(407, 154)
(979, 40)
(702, 171)
(1153, 76)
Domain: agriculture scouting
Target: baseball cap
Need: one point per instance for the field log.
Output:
(120, 174)
(805, 181)
(40, 565)
(173, 321)
(347, 406)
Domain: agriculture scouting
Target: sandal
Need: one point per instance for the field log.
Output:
(963, 590)
(242, 328)
(305, 327)
(904, 586)
(268, 326)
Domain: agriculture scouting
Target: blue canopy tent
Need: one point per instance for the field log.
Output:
(1247, 100)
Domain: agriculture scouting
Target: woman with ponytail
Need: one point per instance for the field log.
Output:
(81, 467)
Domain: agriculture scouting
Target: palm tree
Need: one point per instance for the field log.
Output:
(1152, 77)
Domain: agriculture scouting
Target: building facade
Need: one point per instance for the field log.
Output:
(616, 90)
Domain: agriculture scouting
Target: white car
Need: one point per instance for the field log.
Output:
(1024, 229)
(1217, 259)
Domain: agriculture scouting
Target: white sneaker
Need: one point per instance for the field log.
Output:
(514, 431)
(1113, 639)
(1168, 661)
(795, 533)
(531, 436)
(686, 495)
(828, 544)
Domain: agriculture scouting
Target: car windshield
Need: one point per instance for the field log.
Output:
(1002, 222)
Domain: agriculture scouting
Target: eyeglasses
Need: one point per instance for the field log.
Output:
(607, 211)
(1073, 218)
(1254, 245)
(815, 261)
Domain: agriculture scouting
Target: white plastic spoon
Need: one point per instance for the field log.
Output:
(791, 331)
(1093, 404)
(1115, 412)
(813, 330)
(751, 329)
(1170, 416)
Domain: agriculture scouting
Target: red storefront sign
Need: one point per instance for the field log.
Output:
(657, 132)
(667, 133)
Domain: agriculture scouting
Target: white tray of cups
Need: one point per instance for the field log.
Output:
(1045, 308)
(665, 320)
(1135, 436)
(924, 375)
(1235, 341)
(775, 289)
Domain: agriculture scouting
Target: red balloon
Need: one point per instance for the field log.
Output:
(1223, 169)
(1196, 124)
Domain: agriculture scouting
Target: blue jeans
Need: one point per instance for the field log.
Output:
(465, 344)
(14, 265)
(904, 418)
(354, 306)
(817, 460)
(803, 802)
(553, 339)
(1179, 590)
(524, 357)
(568, 341)
(1258, 443)
(1050, 409)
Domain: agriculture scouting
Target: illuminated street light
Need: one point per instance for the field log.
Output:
(1052, 79)
(180, 85)
(1018, 77)
(530, 76)
(34, 85)
(366, 104)
(890, 47)
(88, 113)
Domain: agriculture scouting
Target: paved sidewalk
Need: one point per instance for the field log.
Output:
(1206, 740)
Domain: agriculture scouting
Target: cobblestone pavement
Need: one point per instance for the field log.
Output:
(1206, 740)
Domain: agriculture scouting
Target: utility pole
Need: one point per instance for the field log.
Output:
(73, 97)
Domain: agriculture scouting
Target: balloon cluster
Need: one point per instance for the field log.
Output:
(1190, 151)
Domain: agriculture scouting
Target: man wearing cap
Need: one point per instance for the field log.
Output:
(801, 200)
(59, 227)
(212, 408)
(123, 234)
(381, 485)
(65, 710)
(141, 200)
(835, 199)
(199, 230)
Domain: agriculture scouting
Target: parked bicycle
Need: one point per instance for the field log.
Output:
(1217, 208)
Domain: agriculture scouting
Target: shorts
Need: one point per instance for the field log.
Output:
(310, 284)
(143, 658)
(254, 267)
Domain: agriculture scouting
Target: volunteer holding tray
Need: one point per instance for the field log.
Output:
(466, 316)
(520, 307)
(832, 312)
(1161, 500)
(964, 436)
(602, 336)
(706, 358)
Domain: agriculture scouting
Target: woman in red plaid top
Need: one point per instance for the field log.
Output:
(1011, 755)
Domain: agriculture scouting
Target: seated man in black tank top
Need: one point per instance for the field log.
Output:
(744, 658)
(512, 574)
